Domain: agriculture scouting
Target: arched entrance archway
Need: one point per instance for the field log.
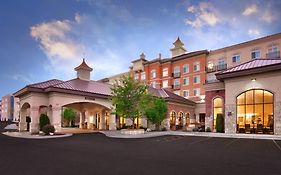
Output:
(25, 120)
(89, 115)
(217, 109)
(173, 116)
(255, 112)
(187, 119)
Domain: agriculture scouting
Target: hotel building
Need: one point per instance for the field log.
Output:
(243, 84)
(183, 74)
(7, 108)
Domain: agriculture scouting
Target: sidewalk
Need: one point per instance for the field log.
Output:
(117, 134)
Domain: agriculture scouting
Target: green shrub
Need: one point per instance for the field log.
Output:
(208, 129)
(44, 120)
(47, 129)
(220, 123)
(195, 129)
(163, 129)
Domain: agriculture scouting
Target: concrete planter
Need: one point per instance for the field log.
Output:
(132, 131)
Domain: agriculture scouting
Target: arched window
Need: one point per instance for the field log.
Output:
(172, 119)
(180, 119)
(217, 108)
(255, 112)
(187, 120)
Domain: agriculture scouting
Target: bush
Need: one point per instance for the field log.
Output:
(163, 129)
(208, 129)
(220, 123)
(43, 121)
(47, 129)
(195, 129)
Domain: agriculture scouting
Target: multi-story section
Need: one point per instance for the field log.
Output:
(111, 80)
(0, 108)
(16, 109)
(232, 56)
(184, 74)
(7, 108)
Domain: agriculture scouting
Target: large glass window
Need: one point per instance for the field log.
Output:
(255, 112)
(217, 108)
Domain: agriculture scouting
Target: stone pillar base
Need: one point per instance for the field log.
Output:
(34, 127)
(22, 126)
(112, 126)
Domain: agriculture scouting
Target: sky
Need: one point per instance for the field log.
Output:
(47, 39)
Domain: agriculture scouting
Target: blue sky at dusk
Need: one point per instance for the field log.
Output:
(46, 39)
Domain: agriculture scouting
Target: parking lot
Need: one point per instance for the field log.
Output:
(94, 153)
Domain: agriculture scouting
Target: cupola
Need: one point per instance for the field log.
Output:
(84, 71)
(178, 48)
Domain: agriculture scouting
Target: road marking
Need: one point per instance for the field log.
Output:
(200, 140)
(276, 144)
(235, 140)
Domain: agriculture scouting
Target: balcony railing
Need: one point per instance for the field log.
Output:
(216, 68)
(272, 55)
(176, 74)
(176, 86)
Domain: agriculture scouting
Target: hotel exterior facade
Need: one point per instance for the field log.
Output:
(7, 108)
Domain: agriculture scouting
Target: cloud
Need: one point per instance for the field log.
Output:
(21, 78)
(254, 32)
(249, 10)
(54, 40)
(267, 17)
(204, 14)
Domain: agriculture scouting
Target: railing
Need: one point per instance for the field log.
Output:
(216, 68)
(176, 86)
(176, 74)
(273, 55)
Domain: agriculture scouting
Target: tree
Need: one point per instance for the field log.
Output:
(69, 115)
(43, 120)
(157, 112)
(128, 97)
(220, 123)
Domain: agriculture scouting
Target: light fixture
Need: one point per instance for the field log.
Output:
(254, 79)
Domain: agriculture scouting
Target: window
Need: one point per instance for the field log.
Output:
(221, 65)
(165, 83)
(176, 82)
(256, 54)
(153, 73)
(176, 69)
(143, 76)
(196, 66)
(153, 84)
(136, 76)
(273, 52)
(196, 92)
(217, 109)
(186, 93)
(185, 68)
(236, 58)
(196, 79)
(165, 72)
(255, 112)
(186, 81)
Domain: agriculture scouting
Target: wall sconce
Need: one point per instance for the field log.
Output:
(253, 79)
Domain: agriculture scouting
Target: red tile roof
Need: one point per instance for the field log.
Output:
(46, 84)
(169, 96)
(85, 86)
(251, 67)
(83, 65)
(253, 64)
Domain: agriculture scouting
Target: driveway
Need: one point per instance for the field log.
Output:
(94, 153)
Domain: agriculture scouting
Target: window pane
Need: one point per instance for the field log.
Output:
(258, 96)
(249, 114)
(268, 115)
(268, 97)
(241, 116)
(249, 97)
(217, 102)
(259, 114)
(241, 99)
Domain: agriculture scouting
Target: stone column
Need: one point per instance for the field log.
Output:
(102, 121)
(56, 118)
(112, 122)
(34, 115)
(277, 118)
(22, 122)
(82, 120)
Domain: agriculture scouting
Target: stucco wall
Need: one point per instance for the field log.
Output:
(235, 86)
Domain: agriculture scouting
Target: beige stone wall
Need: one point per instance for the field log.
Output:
(235, 86)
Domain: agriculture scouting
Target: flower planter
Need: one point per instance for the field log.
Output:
(132, 131)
